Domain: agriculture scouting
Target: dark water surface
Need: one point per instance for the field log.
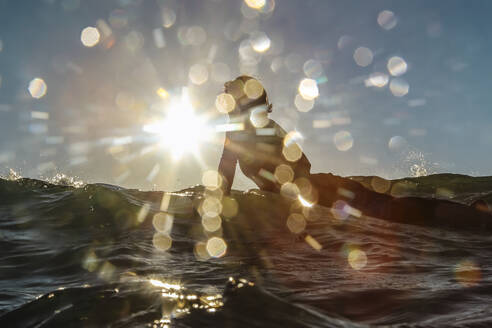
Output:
(102, 255)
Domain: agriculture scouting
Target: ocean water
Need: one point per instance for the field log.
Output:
(100, 255)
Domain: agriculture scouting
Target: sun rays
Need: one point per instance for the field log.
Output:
(181, 131)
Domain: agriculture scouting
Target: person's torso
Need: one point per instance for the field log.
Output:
(261, 150)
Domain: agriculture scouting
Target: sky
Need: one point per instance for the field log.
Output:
(401, 87)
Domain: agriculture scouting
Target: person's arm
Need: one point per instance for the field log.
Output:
(227, 165)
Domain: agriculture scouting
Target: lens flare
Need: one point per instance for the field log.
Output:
(182, 131)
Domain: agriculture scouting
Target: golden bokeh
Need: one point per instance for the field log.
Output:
(211, 223)
(259, 117)
(162, 242)
(225, 103)
(216, 247)
(291, 150)
(284, 173)
(296, 223)
(357, 259)
(37, 88)
(163, 222)
(90, 36)
(211, 179)
(253, 89)
(211, 206)
(308, 89)
(289, 190)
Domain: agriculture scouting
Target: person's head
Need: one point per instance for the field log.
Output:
(248, 93)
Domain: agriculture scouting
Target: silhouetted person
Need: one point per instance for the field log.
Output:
(270, 157)
(258, 142)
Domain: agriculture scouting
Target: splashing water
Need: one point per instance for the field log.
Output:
(61, 179)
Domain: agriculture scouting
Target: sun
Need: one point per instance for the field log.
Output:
(181, 131)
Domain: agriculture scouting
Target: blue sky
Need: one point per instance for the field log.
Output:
(107, 92)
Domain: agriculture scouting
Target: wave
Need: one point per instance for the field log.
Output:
(457, 187)
(98, 255)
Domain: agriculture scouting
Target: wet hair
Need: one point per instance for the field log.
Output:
(261, 100)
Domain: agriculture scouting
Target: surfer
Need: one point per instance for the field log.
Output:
(272, 159)
(257, 142)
